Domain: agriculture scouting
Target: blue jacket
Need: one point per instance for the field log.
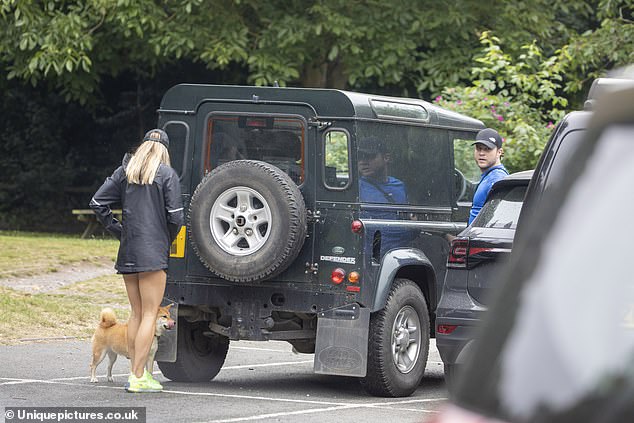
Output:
(488, 178)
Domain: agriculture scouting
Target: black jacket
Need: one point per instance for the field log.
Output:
(152, 217)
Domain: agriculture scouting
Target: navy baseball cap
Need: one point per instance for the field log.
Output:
(372, 145)
(157, 135)
(489, 137)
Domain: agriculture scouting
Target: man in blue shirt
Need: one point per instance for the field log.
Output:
(376, 186)
(488, 155)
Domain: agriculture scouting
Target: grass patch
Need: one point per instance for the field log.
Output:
(27, 254)
(69, 311)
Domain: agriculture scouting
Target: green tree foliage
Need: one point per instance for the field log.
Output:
(610, 45)
(420, 45)
(119, 56)
(73, 45)
(337, 148)
(518, 96)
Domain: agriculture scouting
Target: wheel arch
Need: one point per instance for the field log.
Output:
(425, 278)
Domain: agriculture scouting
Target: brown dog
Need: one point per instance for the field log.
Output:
(111, 339)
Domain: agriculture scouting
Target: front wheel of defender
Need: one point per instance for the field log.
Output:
(398, 343)
(199, 357)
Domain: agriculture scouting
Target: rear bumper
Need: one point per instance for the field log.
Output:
(454, 347)
(456, 307)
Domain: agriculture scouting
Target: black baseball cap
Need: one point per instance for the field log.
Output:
(489, 137)
(372, 145)
(157, 135)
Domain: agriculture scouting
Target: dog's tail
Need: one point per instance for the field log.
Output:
(107, 318)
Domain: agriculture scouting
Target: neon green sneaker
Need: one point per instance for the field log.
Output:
(142, 384)
(127, 384)
(151, 381)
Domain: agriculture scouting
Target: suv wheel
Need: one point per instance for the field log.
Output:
(247, 221)
(399, 342)
(199, 357)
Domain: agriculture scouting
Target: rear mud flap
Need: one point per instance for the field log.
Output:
(168, 341)
(341, 347)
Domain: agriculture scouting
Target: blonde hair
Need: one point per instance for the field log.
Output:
(145, 162)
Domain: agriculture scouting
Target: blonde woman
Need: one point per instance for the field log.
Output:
(148, 190)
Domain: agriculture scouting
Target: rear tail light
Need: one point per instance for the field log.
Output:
(459, 252)
(356, 226)
(445, 329)
(338, 275)
(464, 254)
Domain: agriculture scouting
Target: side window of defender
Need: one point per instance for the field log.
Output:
(467, 173)
(403, 165)
(336, 159)
(178, 133)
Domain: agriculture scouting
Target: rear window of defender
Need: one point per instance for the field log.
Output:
(278, 140)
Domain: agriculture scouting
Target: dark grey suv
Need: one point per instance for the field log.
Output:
(455, 327)
(557, 345)
(474, 260)
(317, 217)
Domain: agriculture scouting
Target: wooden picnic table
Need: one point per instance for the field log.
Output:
(88, 215)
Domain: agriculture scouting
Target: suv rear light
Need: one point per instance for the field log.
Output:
(445, 329)
(464, 254)
(458, 254)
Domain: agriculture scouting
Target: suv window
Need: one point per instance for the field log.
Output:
(337, 159)
(272, 139)
(410, 168)
(502, 208)
(467, 171)
(567, 146)
(178, 133)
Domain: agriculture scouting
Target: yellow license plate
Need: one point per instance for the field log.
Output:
(177, 248)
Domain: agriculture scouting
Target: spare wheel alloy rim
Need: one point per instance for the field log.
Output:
(240, 221)
(406, 339)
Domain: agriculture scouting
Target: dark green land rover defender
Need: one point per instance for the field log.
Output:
(314, 216)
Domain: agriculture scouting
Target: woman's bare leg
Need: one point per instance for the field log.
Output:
(152, 288)
(134, 296)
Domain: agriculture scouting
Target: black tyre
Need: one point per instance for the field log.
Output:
(398, 343)
(247, 221)
(199, 357)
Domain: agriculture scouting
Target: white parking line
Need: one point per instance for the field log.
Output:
(213, 394)
(334, 406)
(385, 406)
(15, 381)
(249, 366)
(231, 347)
(283, 414)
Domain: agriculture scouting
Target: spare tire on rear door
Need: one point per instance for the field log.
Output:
(247, 221)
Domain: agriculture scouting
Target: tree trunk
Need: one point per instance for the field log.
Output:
(324, 75)
(314, 75)
(337, 77)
